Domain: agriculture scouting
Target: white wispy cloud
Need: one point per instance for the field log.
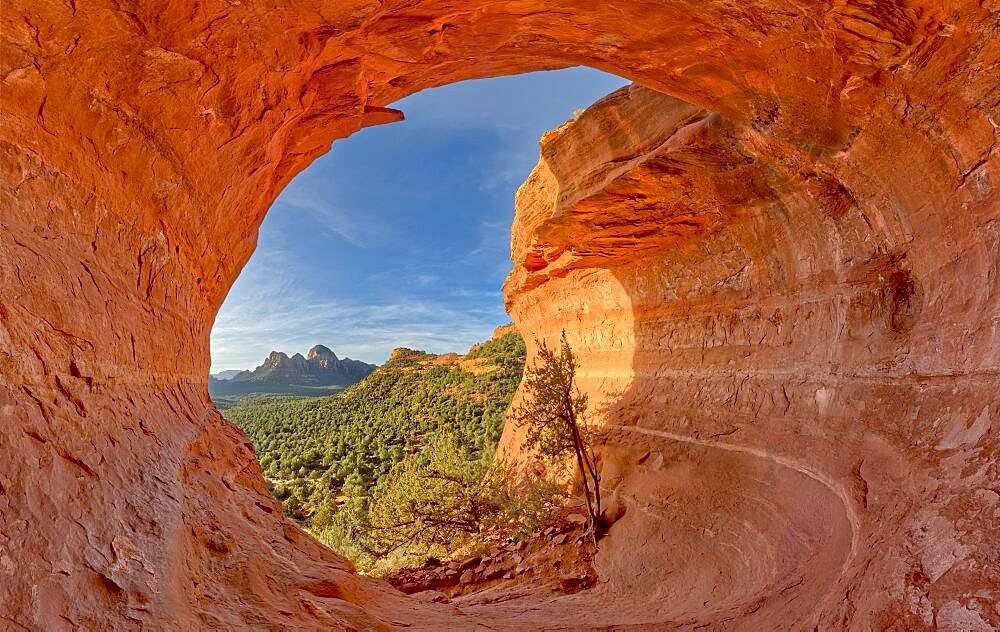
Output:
(277, 303)
(508, 168)
(338, 222)
(274, 314)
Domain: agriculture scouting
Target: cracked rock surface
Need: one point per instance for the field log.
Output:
(782, 280)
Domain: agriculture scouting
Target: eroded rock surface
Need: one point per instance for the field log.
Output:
(794, 422)
(784, 289)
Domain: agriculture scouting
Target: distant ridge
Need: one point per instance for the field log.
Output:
(227, 375)
(315, 373)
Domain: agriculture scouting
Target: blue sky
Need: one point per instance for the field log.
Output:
(399, 236)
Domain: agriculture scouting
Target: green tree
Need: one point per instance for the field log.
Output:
(437, 501)
(355, 508)
(554, 413)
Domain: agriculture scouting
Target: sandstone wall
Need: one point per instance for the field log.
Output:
(807, 266)
(748, 298)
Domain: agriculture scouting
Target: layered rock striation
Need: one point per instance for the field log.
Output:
(792, 422)
(784, 289)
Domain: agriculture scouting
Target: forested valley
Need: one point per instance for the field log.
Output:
(397, 467)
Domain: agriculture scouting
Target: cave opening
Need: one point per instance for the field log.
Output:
(408, 221)
(389, 250)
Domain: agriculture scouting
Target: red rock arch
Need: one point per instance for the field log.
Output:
(142, 146)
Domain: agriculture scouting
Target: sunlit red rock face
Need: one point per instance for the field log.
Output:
(801, 421)
(786, 292)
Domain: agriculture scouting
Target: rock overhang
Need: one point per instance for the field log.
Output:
(817, 276)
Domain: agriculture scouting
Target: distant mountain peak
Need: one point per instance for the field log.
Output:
(320, 351)
(319, 368)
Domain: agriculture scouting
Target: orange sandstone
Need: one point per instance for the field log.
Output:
(784, 288)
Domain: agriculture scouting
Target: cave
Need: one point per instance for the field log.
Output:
(777, 254)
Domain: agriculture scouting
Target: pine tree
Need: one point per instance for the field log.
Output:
(444, 497)
(554, 411)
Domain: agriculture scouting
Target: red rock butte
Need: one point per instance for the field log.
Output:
(779, 262)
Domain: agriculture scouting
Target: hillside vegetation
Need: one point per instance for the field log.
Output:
(325, 458)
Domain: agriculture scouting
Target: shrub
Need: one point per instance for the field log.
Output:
(436, 502)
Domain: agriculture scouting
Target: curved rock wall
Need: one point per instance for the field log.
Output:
(803, 263)
(764, 306)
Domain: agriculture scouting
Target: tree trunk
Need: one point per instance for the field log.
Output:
(585, 468)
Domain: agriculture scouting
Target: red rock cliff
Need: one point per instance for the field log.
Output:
(800, 427)
(786, 292)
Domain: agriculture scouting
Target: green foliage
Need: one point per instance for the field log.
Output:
(435, 499)
(435, 502)
(226, 393)
(554, 414)
(553, 404)
(506, 351)
(324, 458)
